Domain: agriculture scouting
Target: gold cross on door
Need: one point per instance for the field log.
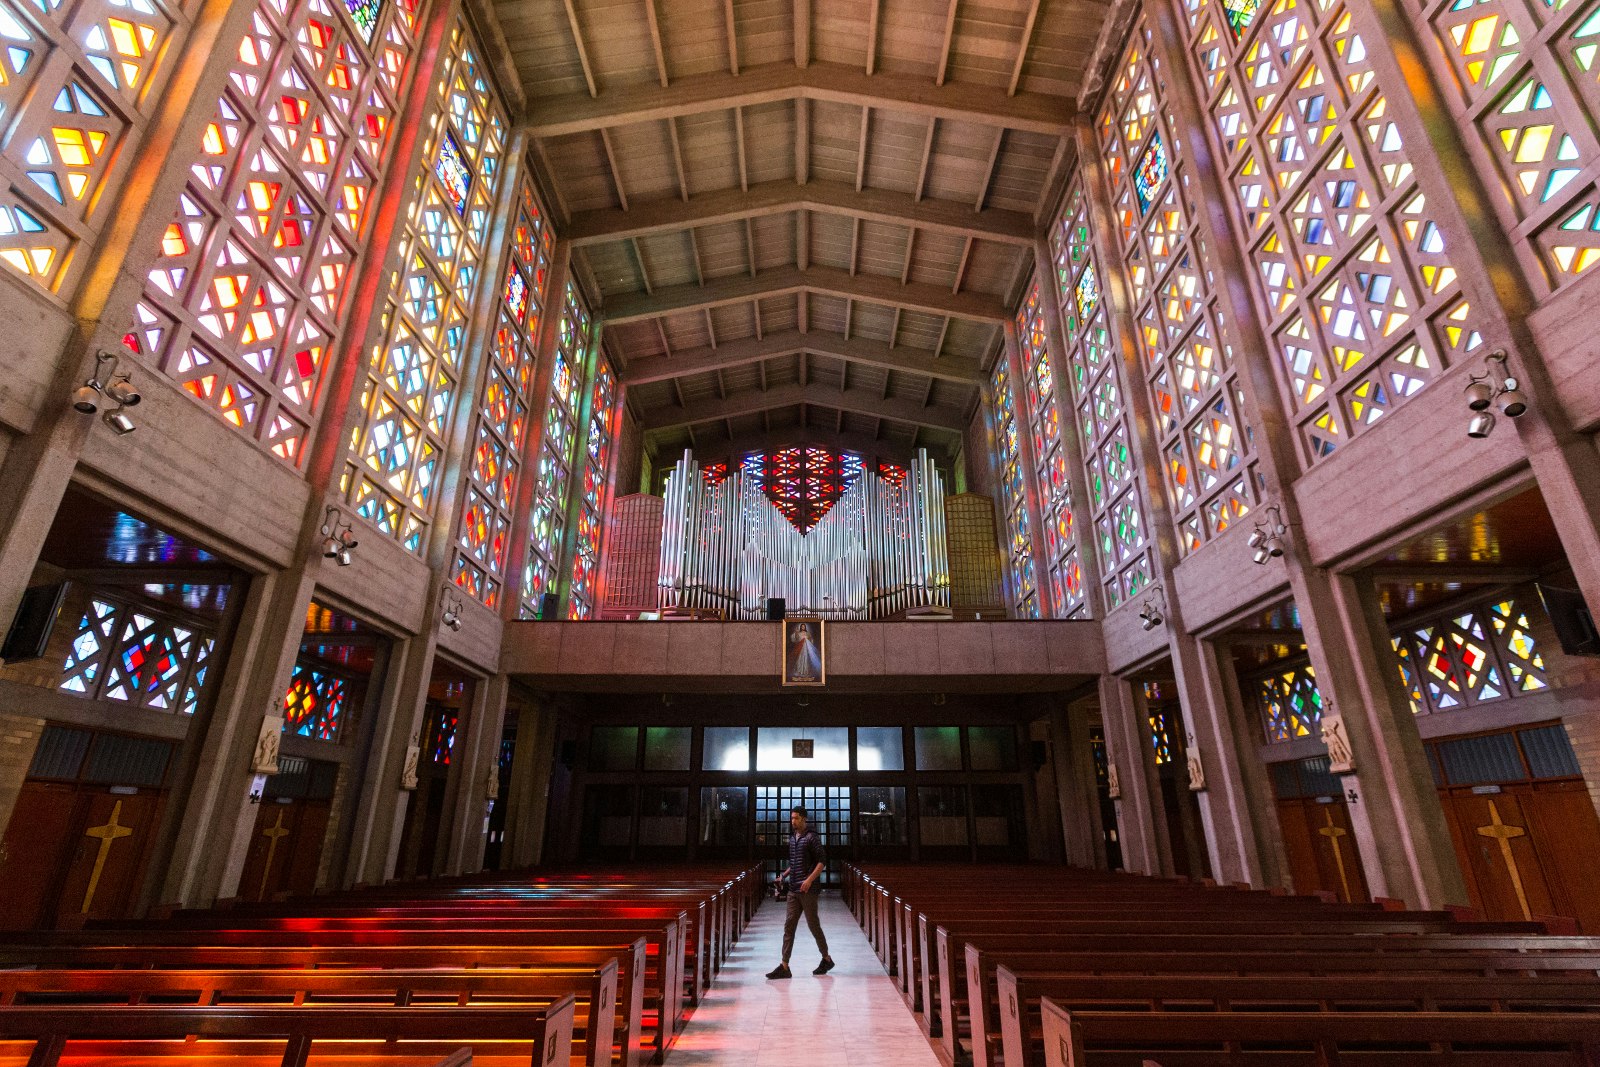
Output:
(1333, 834)
(1503, 832)
(109, 833)
(273, 834)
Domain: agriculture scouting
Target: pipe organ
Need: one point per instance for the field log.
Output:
(879, 551)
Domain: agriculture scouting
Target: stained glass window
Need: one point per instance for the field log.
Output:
(364, 13)
(1523, 82)
(1291, 704)
(1163, 713)
(557, 452)
(455, 176)
(1013, 490)
(1468, 657)
(1363, 305)
(316, 703)
(441, 740)
(582, 596)
(1115, 505)
(136, 655)
(392, 470)
(1184, 338)
(1058, 540)
(76, 85)
(803, 483)
(714, 473)
(499, 438)
(250, 292)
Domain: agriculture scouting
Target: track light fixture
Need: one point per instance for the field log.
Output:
(107, 383)
(339, 537)
(1495, 383)
(1268, 537)
(451, 616)
(1153, 612)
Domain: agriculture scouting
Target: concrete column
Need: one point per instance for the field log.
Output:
(1141, 822)
(529, 798)
(476, 757)
(1078, 801)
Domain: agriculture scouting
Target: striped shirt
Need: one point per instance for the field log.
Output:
(805, 852)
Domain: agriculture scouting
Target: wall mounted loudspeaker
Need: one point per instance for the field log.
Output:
(29, 636)
(775, 609)
(549, 607)
(1572, 620)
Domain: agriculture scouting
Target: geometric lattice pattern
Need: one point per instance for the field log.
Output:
(137, 656)
(803, 483)
(1058, 535)
(1186, 344)
(1162, 711)
(249, 294)
(1098, 391)
(1007, 451)
(1291, 704)
(1527, 97)
(582, 595)
(75, 93)
(558, 445)
(316, 704)
(1473, 656)
(1362, 300)
(499, 438)
(393, 468)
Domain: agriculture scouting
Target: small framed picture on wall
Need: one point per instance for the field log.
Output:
(803, 652)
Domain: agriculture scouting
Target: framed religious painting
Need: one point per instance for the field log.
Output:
(803, 652)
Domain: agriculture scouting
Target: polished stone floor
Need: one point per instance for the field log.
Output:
(851, 1016)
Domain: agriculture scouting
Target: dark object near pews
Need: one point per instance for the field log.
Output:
(1572, 619)
(776, 608)
(549, 607)
(29, 635)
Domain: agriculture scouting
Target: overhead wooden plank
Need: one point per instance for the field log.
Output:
(557, 116)
(863, 351)
(655, 41)
(780, 198)
(754, 401)
(583, 51)
(1022, 49)
(933, 299)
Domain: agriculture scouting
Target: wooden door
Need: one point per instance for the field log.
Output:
(74, 853)
(285, 848)
(1321, 847)
(1528, 849)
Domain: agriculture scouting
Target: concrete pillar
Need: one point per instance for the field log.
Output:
(476, 757)
(1078, 802)
(529, 797)
(1141, 822)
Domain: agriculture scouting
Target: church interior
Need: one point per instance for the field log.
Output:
(471, 469)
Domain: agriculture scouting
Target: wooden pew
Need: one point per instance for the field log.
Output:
(1272, 1039)
(1021, 995)
(39, 1036)
(638, 1045)
(594, 992)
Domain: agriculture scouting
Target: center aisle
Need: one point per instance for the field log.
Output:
(853, 1015)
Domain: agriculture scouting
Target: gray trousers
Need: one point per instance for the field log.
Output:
(806, 902)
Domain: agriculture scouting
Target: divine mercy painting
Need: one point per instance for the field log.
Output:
(802, 653)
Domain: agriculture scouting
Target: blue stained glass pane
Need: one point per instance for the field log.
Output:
(1151, 173)
(364, 13)
(454, 175)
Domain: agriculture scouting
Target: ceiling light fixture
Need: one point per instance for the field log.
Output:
(1268, 537)
(106, 383)
(1484, 389)
(451, 616)
(338, 537)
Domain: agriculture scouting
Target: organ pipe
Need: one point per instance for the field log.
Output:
(879, 552)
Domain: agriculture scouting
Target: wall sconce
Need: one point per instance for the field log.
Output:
(1268, 537)
(108, 384)
(1153, 612)
(1484, 389)
(452, 610)
(339, 537)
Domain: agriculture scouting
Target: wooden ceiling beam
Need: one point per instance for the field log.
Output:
(861, 148)
(988, 170)
(655, 41)
(873, 288)
(949, 39)
(583, 51)
(873, 17)
(865, 351)
(1022, 49)
(778, 198)
(570, 113)
(738, 134)
(677, 160)
(802, 33)
(869, 447)
(611, 165)
(802, 140)
(927, 154)
(754, 401)
(729, 21)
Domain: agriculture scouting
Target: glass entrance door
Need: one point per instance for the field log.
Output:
(828, 810)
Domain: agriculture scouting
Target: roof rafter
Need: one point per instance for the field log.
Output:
(558, 116)
(873, 288)
(780, 197)
(754, 401)
(865, 351)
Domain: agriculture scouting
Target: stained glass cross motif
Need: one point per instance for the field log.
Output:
(454, 174)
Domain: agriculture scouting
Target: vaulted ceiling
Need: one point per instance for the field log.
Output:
(805, 220)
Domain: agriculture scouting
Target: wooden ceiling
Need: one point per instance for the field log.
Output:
(805, 220)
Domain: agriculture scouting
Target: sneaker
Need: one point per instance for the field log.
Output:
(780, 971)
(825, 966)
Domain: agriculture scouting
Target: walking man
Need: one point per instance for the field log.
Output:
(806, 860)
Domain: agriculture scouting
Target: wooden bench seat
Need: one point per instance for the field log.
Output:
(1273, 1039)
(287, 1035)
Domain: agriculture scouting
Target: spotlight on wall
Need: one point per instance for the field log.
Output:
(1495, 383)
(1268, 537)
(339, 541)
(1153, 612)
(106, 383)
(451, 616)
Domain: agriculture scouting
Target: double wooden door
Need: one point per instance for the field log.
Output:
(1321, 847)
(74, 852)
(285, 848)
